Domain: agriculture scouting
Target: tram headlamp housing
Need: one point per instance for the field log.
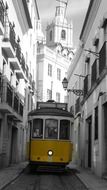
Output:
(50, 152)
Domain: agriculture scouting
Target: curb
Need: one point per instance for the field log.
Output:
(13, 178)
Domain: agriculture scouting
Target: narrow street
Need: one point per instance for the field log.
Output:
(53, 94)
(47, 181)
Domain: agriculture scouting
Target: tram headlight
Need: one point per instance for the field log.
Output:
(50, 152)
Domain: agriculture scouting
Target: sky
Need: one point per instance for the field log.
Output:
(76, 12)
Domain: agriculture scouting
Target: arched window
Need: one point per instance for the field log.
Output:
(51, 35)
(63, 34)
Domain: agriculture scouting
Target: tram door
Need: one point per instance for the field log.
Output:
(89, 125)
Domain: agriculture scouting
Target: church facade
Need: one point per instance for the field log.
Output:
(54, 57)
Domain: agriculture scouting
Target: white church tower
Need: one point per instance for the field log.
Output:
(54, 57)
(59, 34)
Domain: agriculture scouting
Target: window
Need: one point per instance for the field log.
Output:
(26, 58)
(4, 67)
(62, 12)
(64, 129)
(51, 129)
(34, 49)
(57, 97)
(37, 131)
(34, 24)
(65, 99)
(58, 74)
(102, 58)
(50, 70)
(63, 34)
(28, 102)
(96, 123)
(0, 127)
(51, 35)
(94, 72)
(49, 94)
(1, 86)
(30, 40)
(11, 75)
(0, 132)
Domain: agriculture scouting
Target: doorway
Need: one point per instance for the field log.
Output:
(89, 130)
(105, 135)
(13, 152)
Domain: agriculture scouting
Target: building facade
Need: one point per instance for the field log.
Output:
(51, 69)
(88, 72)
(17, 76)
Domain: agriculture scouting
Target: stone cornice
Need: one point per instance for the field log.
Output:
(89, 19)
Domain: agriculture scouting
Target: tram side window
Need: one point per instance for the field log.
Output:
(64, 129)
(51, 129)
(37, 131)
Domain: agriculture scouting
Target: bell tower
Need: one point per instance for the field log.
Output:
(60, 10)
(60, 32)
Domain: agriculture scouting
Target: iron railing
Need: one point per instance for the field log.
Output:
(2, 12)
(12, 36)
(10, 97)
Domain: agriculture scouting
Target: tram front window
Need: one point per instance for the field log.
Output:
(64, 129)
(37, 131)
(51, 129)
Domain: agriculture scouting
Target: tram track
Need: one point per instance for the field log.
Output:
(47, 181)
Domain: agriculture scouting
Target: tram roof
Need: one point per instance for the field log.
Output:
(50, 111)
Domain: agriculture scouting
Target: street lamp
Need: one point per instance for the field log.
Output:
(77, 92)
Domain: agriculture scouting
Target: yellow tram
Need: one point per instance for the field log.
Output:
(50, 135)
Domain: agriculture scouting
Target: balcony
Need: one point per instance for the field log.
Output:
(14, 63)
(11, 48)
(98, 72)
(18, 67)
(10, 102)
(21, 74)
(2, 13)
(18, 62)
(9, 43)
